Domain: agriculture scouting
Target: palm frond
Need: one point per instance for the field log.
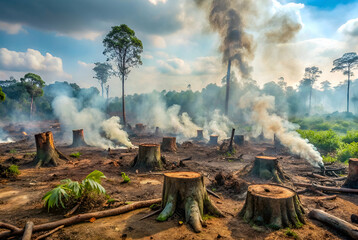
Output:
(54, 197)
(92, 185)
(96, 176)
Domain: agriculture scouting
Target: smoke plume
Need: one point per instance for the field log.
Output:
(4, 138)
(272, 124)
(98, 130)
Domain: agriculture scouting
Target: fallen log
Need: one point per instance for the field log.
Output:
(83, 217)
(329, 189)
(9, 227)
(339, 224)
(28, 231)
(49, 233)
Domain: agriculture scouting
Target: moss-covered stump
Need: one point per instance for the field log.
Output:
(46, 153)
(213, 140)
(272, 206)
(169, 144)
(148, 157)
(185, 192)
(352, 179)
(267, 168)
(78, 138)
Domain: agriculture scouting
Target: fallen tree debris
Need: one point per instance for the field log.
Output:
(329, 189)
(28, 230)
(49, 233)
(332, 221)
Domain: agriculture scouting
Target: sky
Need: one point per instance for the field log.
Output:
(61, 40)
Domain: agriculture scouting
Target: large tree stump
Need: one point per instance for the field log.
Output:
(199, 134)
(267, 168)
(213, 140)
(78, 138)
(169, 144)
(186, 193)
(272, 206)
(46, 152)
(352, 179)
(239, 140)
(148, 157)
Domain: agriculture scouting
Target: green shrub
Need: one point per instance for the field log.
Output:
(347, 151)
(75, 155)
(75, 191)
(329, 159)
(126, 179)
(291, 233)
(11, 172)
(327, 141)
(352, 136)
(13, 151)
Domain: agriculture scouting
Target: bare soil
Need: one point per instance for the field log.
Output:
(20, 198)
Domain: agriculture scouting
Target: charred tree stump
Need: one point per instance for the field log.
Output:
(352, 179)
(78, 138)
(139, 127)
(272, 206)
(169, 144)
(148, 157)
(186, 192)
(199, 134)
(46, 152)
(213, 140)
(239, 140)
(268, 168)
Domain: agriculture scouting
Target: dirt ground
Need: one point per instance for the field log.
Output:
(20, 198)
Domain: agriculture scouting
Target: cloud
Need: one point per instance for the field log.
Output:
(350, 28)
(85, 65)
(157, 41)
(11, 28)
(31, 60)
(206, 65)
(174, 66)
(155, 2)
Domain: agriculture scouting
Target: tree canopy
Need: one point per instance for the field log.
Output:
(102, 72)
(33, 84)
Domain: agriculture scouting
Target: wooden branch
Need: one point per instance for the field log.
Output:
(83, 217)
(186, 159)
(303, 191)
(28, 231)
(212, 193)
(73, 209)
(9, 226)
(335, 222)
(50, 232)
(328, 197)
(329, 189)
(151, 214)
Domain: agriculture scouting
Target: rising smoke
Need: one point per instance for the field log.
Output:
(4, 138)
(271, 124)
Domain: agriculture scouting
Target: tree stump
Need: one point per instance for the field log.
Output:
(213, 140)
(157, 132)
(169, 144)
(268, 168)
(199, 134)
(148, 157)
(185, 192)
(239, 140)
(78, 138)
(272, 206)
(139, 127)
(352, 179)
(46, 152)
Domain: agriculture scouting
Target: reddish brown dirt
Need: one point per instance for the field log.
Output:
(20, 199)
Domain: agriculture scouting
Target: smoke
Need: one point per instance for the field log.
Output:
(219, 125)
(271, 124)
(4, 138)
(98, 130)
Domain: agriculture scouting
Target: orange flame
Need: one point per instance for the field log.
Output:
(24, 133)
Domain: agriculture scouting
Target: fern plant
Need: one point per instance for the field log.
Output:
(125, 178)
(74, 190)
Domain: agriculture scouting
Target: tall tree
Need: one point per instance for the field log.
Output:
(103, 72)
(325, 85)
(310, 77)
(33, 84)
(2, 95)
(346, 63)
(124, 48)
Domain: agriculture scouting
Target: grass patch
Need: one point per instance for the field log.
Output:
(290, 233)
(75, 154)
(13, 151)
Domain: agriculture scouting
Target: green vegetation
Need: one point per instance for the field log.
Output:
(75, 154)
(326, 141)
(290, 233)
(126, 179)
(12, 171)
(2, 95)
(13, 151)
(73, 191)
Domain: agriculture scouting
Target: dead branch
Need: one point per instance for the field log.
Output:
(151, 214)
(186, 159)
(73, 210)
(9, 226)
(335, 222)
(28, 231)
(49, 233)
(231, 140)
(83, 217)
(329, 189)
(212, 193)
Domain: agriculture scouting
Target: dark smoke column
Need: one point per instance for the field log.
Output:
(227, 88)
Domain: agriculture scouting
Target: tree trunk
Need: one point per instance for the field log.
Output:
(213, 140)
(186, 193)
(199, 134)
(239, 140)
(272, 206)
(148, 157)
(47, 154)
(227, 88)
(158, 132)
(123, 104)
(78, 138)
(352, 179)
(169, 144)
(102, 89)
(32, 102)
(310, 103)
(349, 77)
(267, 168)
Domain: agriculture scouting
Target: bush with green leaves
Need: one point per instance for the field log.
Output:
(347, 151)
(326, 141)
(126, 179)
(75, 191)
(351, 136)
